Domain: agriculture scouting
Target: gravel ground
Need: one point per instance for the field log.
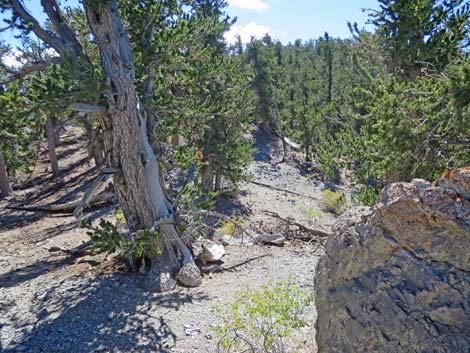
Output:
(54, 303)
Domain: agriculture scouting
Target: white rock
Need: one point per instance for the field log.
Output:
(211, 252)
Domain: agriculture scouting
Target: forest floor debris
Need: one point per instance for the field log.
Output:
(55, 302)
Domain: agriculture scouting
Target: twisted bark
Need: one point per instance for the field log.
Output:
(140, 192)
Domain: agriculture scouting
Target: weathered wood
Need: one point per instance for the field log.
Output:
(87, 198)
(51, 147)
(86, 108)
(5, 187)
(303, 228)
(70, 207)
(141, 193)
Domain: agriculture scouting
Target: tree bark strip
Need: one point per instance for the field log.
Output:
(51, 146)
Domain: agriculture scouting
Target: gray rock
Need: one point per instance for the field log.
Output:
(397, 278)
(189, 275)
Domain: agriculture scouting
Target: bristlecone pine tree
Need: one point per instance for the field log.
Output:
(123, 120)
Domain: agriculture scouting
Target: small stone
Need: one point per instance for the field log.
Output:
(111, 315)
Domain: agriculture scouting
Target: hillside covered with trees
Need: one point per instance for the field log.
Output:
(171, 119)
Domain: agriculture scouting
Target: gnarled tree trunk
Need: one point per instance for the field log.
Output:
(138, 185)
(5, 187)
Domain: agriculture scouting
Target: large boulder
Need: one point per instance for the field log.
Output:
(396, 278)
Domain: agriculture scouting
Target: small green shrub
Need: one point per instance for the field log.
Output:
(367, 195)
(259, 321)
(106, 238)
(334, 201)
(313, 213)
(227, 228)
(120, 218)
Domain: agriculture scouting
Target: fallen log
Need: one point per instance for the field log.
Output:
(101, 198)
(303, 228)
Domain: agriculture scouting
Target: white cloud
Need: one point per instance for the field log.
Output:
(256, 5)
(246, 32)
(12, 59)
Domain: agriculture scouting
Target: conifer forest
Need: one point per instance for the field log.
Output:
(166, 189)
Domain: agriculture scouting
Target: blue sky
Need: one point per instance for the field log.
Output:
(286, 20)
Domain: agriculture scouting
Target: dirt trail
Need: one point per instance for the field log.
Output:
(53, 303)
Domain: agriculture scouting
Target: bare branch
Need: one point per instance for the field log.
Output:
(43, 34)
(316, 232)
(78, 212)
(72, 45)
(101, 198)
(6, 28)
(88, 108)
(33, 67)
(79, 251)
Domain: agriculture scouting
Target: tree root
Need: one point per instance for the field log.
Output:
(166, 268)
(163, 270)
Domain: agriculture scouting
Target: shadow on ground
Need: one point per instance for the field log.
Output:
(231, 206)
(102, 314)
(10, 218)
(263, 144)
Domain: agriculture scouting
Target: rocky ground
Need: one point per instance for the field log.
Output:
(52, 302)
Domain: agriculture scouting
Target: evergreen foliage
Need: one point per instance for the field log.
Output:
(385, 106)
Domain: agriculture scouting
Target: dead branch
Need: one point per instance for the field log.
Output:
(218, 215)
(101, 198)
(86, 200)
(284, 190)
(28, 68)
(223, 269)
(86, 108)
(79, 251)
(315, 232)
(46, 36)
